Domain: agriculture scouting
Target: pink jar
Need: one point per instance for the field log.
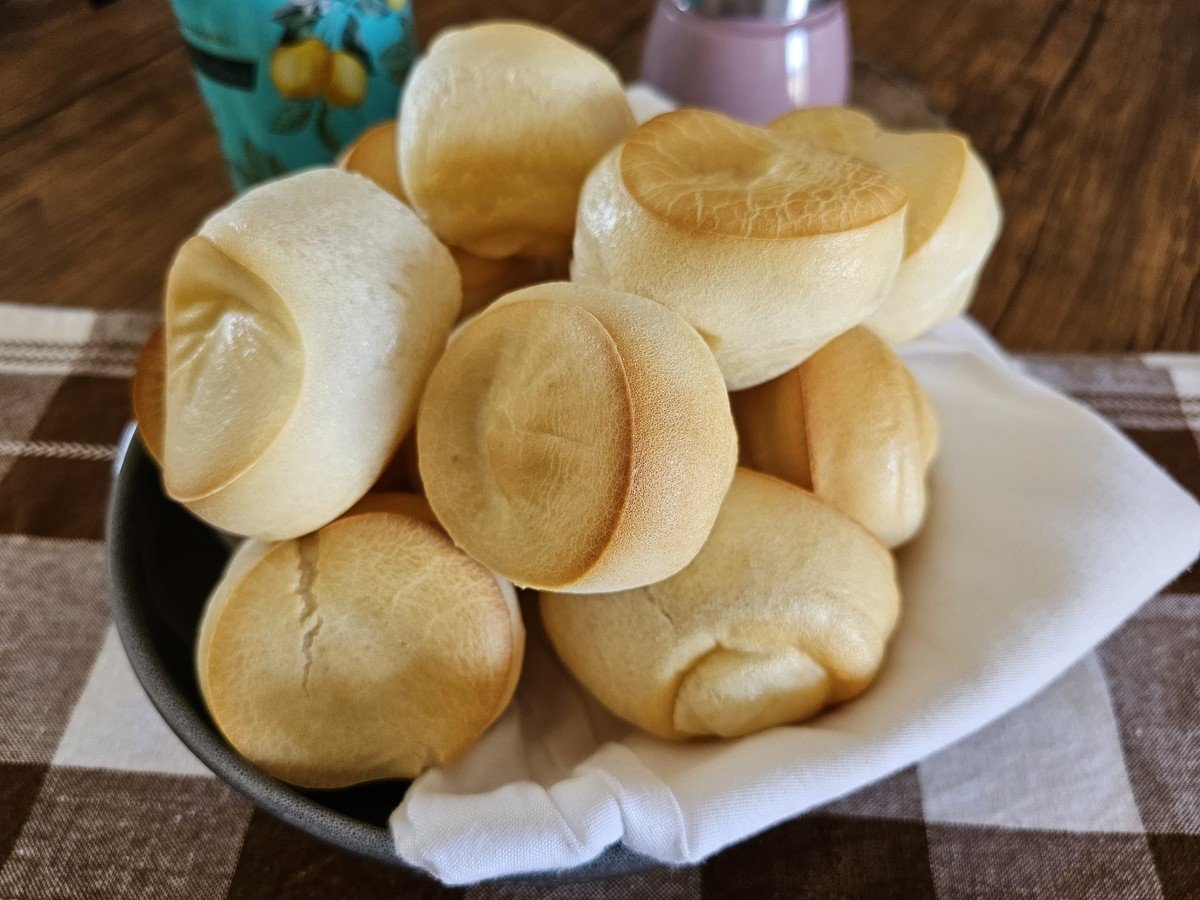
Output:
(750, 59)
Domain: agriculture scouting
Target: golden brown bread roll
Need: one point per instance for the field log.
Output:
(149, 382)
(768, 247)
(499, 124)
(786, 610)
(148, 386)
(484, 279)
(850, 424)
(373, 154)
(370, 649)
(300, 325)
(577, 439)
(953, 212)
(402, 503)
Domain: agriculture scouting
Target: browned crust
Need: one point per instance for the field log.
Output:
(589, 556)
(768, 416)
(869, 194)
(148, 392)
(629, 433)
(490, 592)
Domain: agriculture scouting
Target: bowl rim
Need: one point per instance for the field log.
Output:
(198, 735)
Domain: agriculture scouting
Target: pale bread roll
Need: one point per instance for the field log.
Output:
(768, 247)
(577, 439)
(373, 154)
(786, 610)
(850, 424)
(953, 220)
(300, 326)
(148, 385)
(370, 649)
(499, 124)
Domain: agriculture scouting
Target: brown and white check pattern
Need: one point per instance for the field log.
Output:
(1091, 789)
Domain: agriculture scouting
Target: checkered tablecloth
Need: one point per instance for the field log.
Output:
(1092, 789)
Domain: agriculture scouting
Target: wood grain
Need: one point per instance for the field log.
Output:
(1087, 110)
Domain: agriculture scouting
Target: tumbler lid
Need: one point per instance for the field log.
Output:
(762, 10)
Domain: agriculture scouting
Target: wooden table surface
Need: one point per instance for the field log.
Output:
(1088, 112)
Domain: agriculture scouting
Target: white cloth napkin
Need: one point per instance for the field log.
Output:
(1048, 529)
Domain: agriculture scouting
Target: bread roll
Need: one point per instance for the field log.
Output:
(499, 124)
(953, 212)
(786, 610)
(371, 649)
(149, 382)
(577, 439)
(147, 388)
(300, 326)
(483, 280)
(770, 248)
(850, 424)
(373, 154)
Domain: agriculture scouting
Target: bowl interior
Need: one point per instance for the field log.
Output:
(163, 564)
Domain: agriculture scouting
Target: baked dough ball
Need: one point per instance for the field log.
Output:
(850, 424)
(149, 383)
(953, 212)
(373, 154)
(370, 649)
(300, 325)
(483, 280)
(577, 439)
(769, 247)
(499, 124)
(786, 610)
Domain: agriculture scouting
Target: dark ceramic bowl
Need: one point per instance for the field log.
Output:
(163, 563)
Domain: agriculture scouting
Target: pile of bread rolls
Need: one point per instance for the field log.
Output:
(370, 372)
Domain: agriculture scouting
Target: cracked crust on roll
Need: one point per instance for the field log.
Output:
(370, 649)
(700, 171)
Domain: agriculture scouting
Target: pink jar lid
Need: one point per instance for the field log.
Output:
(777, 11)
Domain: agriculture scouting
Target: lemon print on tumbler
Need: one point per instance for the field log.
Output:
(301, 71)
(290, 82)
